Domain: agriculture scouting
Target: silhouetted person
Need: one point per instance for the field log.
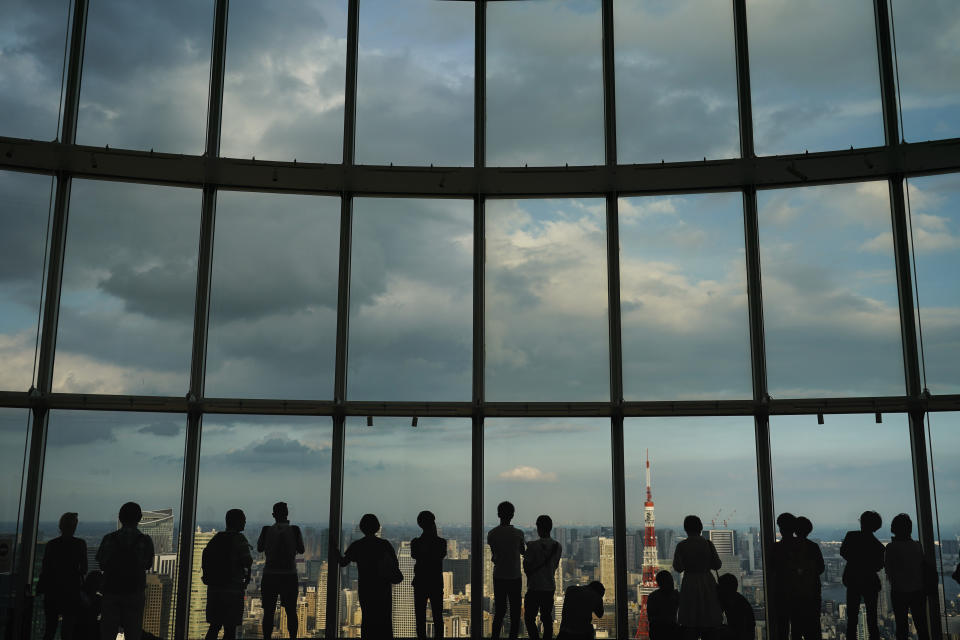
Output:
(91, 604)
(124, 557)
(903, 562)
(281, 542)
(580, 604)
(377, 570)
(61, 578)
(806, 567)
(428, 551)
(506, 547)
(662, 609)
(226, 564)
(864, 556)
(780, 572)
(540, 564)
(737, 609)
(699, 613)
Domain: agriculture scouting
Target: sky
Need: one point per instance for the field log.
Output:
(829, 289)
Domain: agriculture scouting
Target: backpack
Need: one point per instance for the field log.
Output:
(219, 561)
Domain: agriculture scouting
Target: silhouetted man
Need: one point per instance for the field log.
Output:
(580, 604)
(905, 566)
(780, 571)
(506, 547)
(377, 569)
(226, 572)
(540, 564)
(124, 557)
(662, 609)
(864, 556)
(806, 566)
(281, 542)
(736, 608)
(61, 577)
(428, 551)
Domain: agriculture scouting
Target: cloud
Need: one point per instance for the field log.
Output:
(165, 429)
(276, 451)
(524, 473)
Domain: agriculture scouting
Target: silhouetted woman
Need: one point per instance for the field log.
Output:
(903, 562)
(377, 570)
(805, 567)
(864, 556)
(61, 578)
(699, 612)
(428, 551)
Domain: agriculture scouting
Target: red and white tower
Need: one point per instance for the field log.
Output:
(650, 563)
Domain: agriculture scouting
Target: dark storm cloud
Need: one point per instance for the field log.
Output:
(165, 428)
(275, 451)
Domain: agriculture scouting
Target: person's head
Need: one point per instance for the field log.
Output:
(544, 525)
(427, 521)
(369, 524)
(727, 583)
(236, 520)
(803, 527)
(505, 511)
(787, 523)
(280, 511)
(692, 525)
(597, 586)
(130, 514)
(870, 521)
(901, 526)
(68, 523)
(665, 580)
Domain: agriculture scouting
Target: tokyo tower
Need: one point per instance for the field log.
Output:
(650, 565)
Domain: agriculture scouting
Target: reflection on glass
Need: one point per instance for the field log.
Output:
(410, 300)
(97, 461)
(394, 471)
(146, 69)
(676, 81)
(544, 83)
(944, 443)
(833, 473)
(415, 83)
(250, 463)
(561, 468)
(32, 34)
(935, 218)
(23, 219)
(830, 306)
(683, 297)
(546, 300)
(814, 75)
(274, 296)
(926, 54)
(283, 91)
(126, 320)
(700, 466)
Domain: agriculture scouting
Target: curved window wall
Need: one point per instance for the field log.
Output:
(413, 265)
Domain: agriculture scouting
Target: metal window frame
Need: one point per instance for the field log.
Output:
(892, 162)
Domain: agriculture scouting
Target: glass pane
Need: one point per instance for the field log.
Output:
(146, 68)
(395, 471)
(561, 468)
(683, 297)
(96, 462)
(411, 302)
(23, 219)
(676, 79)
(273, 300)
(831, 315)
(250, 463)
(814, 75)
(130, 272)
(544, 83)
(415, 83)
(682, 453)
(32, 39)
(14, 430)
(283, 92)
(546, 300)
(935, 206)
(926, 54)
(944, 433)
(833, 473)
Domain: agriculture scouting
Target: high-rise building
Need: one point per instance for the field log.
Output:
(158, 524)
(723, 540)
(280, 619)
(197, 622)
(607, 571)
(157, 605)
(404, 622)
(165, 564)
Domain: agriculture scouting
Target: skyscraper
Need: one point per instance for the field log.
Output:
(723, 540)
(158, 524)
(197, 626)
(607, 574)
(404, 621)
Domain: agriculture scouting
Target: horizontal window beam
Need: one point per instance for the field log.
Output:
(678, 177)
